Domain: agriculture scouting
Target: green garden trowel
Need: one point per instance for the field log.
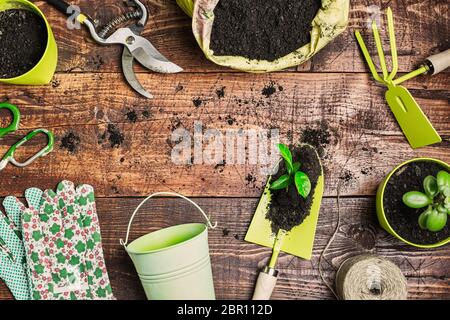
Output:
(298, 242)
(415, 125)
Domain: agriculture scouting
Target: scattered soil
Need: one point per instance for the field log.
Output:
(220, 93)
(197, 102)
(402, 218)
(23, 39)
(319, 137)
(131, 116)
(70, 142)
(289, 209)
(269, 90)
(262, 29)
(146, 114)
(346, 177)
(230, 120)
(114, 135)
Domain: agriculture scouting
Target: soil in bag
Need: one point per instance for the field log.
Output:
(23, 39)
(287, 208)
(262, 29)
(403, 219)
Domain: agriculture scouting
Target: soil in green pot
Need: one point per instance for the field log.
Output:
(23, 39)
(287, 208)
(262, 29)
(403, 219)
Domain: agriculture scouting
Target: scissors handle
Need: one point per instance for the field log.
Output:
(15, 118)
(9, 156)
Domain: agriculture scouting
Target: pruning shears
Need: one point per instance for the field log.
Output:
(14, 126)
(135, 46)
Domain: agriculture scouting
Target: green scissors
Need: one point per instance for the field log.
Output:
(14, 126)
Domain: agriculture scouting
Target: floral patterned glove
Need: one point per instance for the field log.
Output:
(63, 246)
(97, 274)
(13, 266)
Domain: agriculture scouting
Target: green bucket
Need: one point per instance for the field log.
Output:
(42, 72)
(173, 263)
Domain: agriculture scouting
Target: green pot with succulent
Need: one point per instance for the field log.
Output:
(413, 202)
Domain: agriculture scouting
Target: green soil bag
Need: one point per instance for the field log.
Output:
(330, 21)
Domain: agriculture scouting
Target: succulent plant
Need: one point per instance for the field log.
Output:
(436, 200)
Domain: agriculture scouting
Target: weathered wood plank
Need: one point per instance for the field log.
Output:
(235, 262)
(344, 115)
(421, 29)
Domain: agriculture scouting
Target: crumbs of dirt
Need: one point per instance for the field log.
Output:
(403, 219)
(114, 135)
(319, 137)
(197, 102)
(131, 116)
(70, 142)
(269, 90)
(346, 177)
(262, 29)
(288, 209)
(225, 232)
(23, 39)
(220, 93)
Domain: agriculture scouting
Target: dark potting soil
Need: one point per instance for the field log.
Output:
(288, 209)
(262, 29)
(403, 219)
(23, 39)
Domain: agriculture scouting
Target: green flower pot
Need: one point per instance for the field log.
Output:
(380, 207)
(42, 72)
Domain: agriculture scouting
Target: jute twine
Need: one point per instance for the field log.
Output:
(368, 277)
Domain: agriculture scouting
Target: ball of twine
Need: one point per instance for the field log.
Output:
(369, 277)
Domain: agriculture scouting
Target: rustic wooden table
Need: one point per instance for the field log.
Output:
(88, 104)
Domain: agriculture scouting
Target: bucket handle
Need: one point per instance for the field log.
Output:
(212, 226)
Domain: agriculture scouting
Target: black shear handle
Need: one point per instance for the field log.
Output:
(63, 7)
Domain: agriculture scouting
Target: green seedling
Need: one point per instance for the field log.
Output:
(436, 200)
(293, 175)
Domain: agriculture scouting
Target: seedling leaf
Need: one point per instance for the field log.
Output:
(287, 156)
(303, 184)
(281, 183)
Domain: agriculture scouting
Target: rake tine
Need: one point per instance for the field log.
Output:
(379, 45)
(393, 43)
(366, 54)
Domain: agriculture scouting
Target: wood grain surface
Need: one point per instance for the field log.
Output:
(332, 97)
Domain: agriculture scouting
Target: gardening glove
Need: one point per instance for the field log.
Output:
(97, 274)
(13, 267)
(51, 241)
(57, 241)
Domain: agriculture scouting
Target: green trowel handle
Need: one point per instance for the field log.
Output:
(62, 6)
(15, 119)
(9, 156)
(68, 9)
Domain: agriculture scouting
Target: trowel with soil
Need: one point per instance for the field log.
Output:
(287, 213)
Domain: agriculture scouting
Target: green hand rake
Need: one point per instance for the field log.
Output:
(414, 123)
